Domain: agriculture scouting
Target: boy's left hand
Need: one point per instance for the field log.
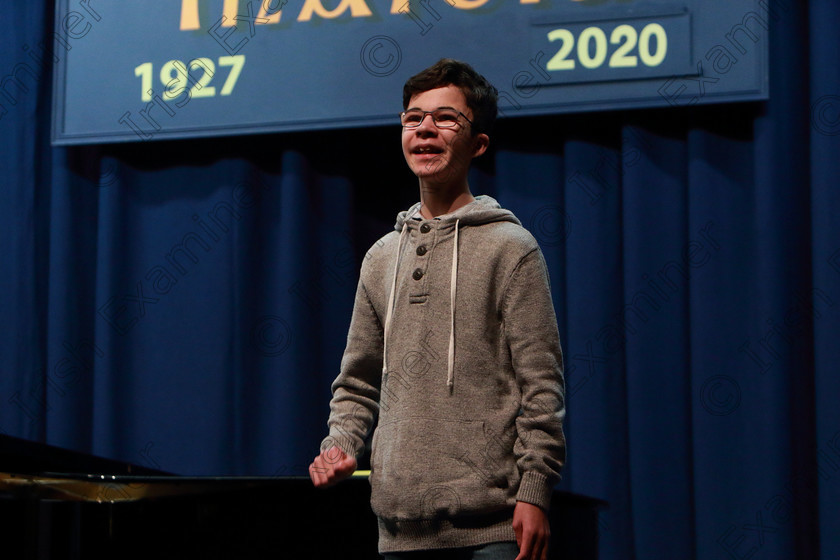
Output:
(530, 523)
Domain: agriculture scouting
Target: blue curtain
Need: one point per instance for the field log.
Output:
(184, 305)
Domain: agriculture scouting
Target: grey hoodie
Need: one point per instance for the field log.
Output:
(469, 395)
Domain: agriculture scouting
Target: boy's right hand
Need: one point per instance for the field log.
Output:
(331, 467)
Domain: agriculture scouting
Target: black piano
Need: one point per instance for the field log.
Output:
(59, 504)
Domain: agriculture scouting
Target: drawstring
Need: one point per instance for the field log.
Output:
(450, 379)
(453, 282)
(390, 311)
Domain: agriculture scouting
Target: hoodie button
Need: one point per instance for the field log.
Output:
(418, 274)
(425, 228)
(421, 250)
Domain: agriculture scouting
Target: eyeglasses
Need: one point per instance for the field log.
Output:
(443, 118)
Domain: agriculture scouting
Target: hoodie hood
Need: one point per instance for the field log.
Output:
(483, 210)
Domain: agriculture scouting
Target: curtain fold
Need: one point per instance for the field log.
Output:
(818, 307)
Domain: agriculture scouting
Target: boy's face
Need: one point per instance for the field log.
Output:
(436, 154)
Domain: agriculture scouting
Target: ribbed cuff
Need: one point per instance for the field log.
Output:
(535, 489)
(343, 442)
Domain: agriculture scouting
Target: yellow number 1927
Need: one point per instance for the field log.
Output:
(176, 76)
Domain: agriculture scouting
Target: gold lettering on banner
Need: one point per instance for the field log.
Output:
(189, 15)
(404, 6)
(191, 20)
(229, 11)
(467, 4)
(358, 8)
(191, 10)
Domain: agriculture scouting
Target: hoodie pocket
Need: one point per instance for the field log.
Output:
(424, 468)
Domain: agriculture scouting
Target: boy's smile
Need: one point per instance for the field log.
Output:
(437, 155)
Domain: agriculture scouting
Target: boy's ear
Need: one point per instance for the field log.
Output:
(482, 141)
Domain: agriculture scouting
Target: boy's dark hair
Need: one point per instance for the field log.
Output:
(480, 94)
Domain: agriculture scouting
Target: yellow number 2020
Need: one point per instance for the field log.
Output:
(592, 47)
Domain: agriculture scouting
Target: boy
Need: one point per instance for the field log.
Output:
(453, 344)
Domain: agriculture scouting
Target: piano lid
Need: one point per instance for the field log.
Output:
(22, 456)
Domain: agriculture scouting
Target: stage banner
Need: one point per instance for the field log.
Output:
(130, 70)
